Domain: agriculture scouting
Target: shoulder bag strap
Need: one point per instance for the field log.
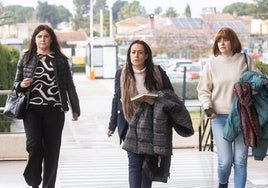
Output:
(246, 60)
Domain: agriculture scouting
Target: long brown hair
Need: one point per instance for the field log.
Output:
(150, 80)
(54, 46)
(226, 33)
(153, 80)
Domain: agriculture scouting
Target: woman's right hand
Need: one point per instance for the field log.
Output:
(110, 132)
(26, 82)
(149, 100)
(211, 114)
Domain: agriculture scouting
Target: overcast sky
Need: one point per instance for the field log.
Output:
(179, 5)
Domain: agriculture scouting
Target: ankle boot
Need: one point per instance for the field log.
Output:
(223, 185)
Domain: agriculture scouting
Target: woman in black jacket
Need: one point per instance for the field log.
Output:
(43, 74)
(139, 75)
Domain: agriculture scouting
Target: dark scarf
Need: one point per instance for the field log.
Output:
(248, 114)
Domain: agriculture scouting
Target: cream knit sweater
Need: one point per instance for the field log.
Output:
(140, 80)
(215, 87)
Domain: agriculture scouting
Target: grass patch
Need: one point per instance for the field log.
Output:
(195, 116)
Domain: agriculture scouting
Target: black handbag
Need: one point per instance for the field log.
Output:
(15, 106)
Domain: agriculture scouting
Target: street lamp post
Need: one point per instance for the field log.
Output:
(92, 72)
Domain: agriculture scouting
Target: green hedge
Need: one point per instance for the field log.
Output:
(262, 67)
(191, 92)
(78, 68)
(9, 57)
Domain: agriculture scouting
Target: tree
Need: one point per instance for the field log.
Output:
(21, 14)
(6, 17)
(52, 14)
(81, 19)
(241, 9)
(262, 9)
(1, 8)
(131, 10)
(158, 10)
(63, 14)
(188, 11)
(117, 6)
(101, 5)
(171, 12)
(258, 10)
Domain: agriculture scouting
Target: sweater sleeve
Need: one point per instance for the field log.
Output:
(204, 87)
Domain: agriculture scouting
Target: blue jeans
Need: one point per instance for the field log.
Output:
(230, 153)
(137, 178)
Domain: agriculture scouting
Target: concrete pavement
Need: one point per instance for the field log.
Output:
(89, 159)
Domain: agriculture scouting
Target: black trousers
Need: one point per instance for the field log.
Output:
(43, 127)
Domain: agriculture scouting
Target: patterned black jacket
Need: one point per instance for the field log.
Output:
(63, 77)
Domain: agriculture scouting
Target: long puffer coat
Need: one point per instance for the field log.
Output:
(150, 132)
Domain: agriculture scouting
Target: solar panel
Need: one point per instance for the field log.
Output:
(187, 23)
(196, 23)
(237, 26)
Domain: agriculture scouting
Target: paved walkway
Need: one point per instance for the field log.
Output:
(89, 159)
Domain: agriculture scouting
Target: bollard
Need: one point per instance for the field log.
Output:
(92, 75)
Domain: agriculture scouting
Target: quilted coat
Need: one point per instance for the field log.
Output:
(63, 76)
(150, 132)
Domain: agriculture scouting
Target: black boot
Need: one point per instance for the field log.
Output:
(223, 185)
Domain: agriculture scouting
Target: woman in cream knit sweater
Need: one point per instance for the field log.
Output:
(215, 92)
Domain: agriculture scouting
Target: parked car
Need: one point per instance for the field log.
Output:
(174, 75)
(174, 64)
(163, 63)
(192, 71)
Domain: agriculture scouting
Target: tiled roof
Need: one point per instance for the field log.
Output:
(220, 20)
(265, 21)
(79, 35)
(186, 28)
(217, 17)
(138, 20)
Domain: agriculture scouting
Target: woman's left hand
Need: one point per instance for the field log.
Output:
(149, 100)
(26, 82)
(75, 117)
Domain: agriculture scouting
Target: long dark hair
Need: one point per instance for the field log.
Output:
(150, 80)
(54, 46)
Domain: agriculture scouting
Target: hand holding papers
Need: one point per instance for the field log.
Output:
(146, 97)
